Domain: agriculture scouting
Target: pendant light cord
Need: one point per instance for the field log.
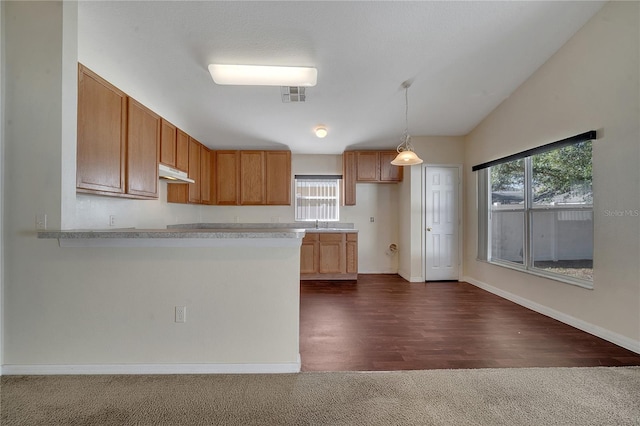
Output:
(406, 108)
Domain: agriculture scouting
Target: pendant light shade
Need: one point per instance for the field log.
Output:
(406, 158)
(406, 155)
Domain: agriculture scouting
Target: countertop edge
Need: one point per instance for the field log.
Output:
(173, 233)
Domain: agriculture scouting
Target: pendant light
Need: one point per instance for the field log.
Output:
(406, 155)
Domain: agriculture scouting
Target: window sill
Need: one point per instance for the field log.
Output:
(540, 273)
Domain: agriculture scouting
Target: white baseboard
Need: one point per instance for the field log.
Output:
(41, 369)
(618, 339)
(411, 279)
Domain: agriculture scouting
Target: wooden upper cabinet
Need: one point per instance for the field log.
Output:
(252, 178)
(102, 133)
(199, 169)
(182, 151)
(174, 147)
(194, 171)
(205, 175)
(168, 133)
(368, 166)
(349, 177)
(278, 177)
(389, 172)
(143, 150)
(226, 168)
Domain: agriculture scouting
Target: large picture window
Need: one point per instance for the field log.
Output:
(536, 211)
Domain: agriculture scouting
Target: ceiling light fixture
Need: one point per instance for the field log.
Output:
(406, 155)
(321, 131)
(260, 75)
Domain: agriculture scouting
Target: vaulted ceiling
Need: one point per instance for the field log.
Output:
(463, 58)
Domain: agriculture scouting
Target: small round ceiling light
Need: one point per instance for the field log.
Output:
(321, 132)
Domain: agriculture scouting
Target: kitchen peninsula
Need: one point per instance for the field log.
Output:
(240, 288)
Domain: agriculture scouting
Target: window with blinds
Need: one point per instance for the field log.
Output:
(317, 197)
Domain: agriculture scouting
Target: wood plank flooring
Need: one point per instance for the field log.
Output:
(382, 322)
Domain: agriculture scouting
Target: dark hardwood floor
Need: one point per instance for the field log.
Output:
(382, 322)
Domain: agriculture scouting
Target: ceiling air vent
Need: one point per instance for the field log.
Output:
(293, 94)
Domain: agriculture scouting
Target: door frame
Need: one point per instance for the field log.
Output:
(423, 221)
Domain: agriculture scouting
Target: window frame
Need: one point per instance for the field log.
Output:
(336, 198)
(484, 210)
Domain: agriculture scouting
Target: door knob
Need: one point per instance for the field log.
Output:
(429, 229)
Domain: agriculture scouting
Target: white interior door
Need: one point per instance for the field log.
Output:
(442, 223)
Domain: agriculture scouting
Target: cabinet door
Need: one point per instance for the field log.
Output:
(368, 166)
(205, 175)
(278, 177)
(389, 172)
(194, 171)
(309, 255)
(332, 254)
(168, 144)
(252, 178)
(102, 116)
(352, 253)
(182, 151)
(225, 171)
(349, 177)
(143, 150)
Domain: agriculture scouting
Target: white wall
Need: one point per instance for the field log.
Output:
(105, 305)
(591, 83)
(110, 306)
(432, 150)
(2, 95)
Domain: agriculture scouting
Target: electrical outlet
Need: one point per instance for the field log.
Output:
(372, 219)
(181, 314)
(112, 220)
(41, 221)
(236, 219)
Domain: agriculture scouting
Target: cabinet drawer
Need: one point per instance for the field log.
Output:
(331, 237)
(352, 236)
(310, 238)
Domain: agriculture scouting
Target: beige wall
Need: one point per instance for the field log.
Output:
(590, 83)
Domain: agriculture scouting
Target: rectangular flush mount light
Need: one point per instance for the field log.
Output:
(260, 75)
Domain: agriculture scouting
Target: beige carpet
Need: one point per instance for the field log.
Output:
(531, 396)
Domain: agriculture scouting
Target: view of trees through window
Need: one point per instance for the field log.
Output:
(541, 213)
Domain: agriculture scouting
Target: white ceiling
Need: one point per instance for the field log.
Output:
(464, 59)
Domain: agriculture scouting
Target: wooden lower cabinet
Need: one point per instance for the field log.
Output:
(352, 253)
(309, 254)
(329, 256)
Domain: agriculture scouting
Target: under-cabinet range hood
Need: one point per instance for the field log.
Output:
(173, 175)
